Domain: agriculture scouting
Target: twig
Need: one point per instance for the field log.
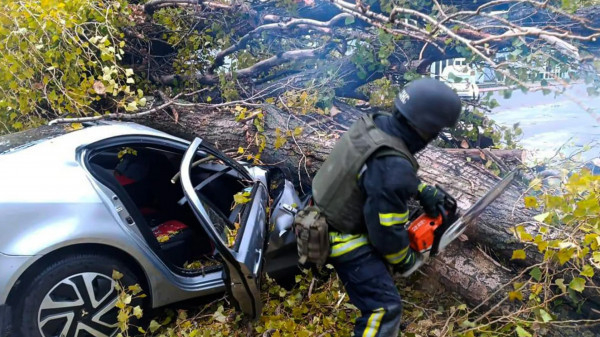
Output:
(340, 300)
(503, 168)
(164, 98)
(310, 288)
(492, 260)
(118, 115)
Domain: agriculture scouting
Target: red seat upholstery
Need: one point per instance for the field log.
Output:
(169, 228)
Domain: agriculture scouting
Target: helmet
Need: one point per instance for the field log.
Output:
(429, 105)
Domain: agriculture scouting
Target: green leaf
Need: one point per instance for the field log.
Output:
(541, 217)
(578, 284)
(536, 273)
(349, 20)
(518, 254)
(561, 284)
(545, 316)
(587, 271)
(154, 325)
(522, 332)
(596, 257)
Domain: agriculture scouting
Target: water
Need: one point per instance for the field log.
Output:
(549, 123)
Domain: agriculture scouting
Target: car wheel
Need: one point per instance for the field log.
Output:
(74, 297)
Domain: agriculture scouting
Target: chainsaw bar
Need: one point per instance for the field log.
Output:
(459, 226)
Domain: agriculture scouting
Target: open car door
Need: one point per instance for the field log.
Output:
(244, 258)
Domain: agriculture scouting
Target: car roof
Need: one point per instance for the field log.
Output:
(88, 134)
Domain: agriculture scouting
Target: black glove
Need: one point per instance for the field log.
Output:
(431, 199)
(407, 263)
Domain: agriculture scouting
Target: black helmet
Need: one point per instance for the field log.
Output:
(429, 105)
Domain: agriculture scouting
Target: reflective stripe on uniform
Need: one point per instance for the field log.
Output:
(344, 243)
(409, 259)
(373, 323)
(421, 187)
(390, 219)
(396, 258)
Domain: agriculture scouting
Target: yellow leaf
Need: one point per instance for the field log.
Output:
(241, 197)
(542, 246)
(162, 238)
(515, 295)
(531, 202)
(122, 317)
(279, 142)
(537, 288)
(303, 96)
(298, 131)
(565, 255)
(518, 254)
(76, 126)
(240, 150)
(137, 311)
(135, 289)
(127, 299)
(535, 184)
(116, 275)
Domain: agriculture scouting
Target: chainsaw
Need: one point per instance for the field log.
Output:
(429, 236)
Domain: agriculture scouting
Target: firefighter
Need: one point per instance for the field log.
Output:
(363, 188)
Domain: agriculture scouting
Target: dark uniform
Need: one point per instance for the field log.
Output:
(361, 253)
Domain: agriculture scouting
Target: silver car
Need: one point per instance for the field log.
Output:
(178, 218)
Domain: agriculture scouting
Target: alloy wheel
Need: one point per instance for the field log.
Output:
(81, 305)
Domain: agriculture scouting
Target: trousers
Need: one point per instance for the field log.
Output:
(371, 289)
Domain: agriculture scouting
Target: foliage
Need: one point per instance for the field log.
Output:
(562, 247)
(313, 306)
(63, 58)
(126, 296)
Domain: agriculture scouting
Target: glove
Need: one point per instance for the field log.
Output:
(430, 199)
(413, 261)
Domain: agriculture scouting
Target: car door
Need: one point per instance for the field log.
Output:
(243, 260)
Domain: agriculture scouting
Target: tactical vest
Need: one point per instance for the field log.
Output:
(335, 187)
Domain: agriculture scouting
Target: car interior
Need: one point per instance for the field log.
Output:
(146, 179)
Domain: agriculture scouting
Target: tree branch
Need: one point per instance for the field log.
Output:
(118, 115)
(277, 27)
(151, 6)
(288, 56)
(257, 68)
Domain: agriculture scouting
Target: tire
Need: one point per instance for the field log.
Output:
(73, 297)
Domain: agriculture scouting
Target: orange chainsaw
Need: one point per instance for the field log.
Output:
(429, 236)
